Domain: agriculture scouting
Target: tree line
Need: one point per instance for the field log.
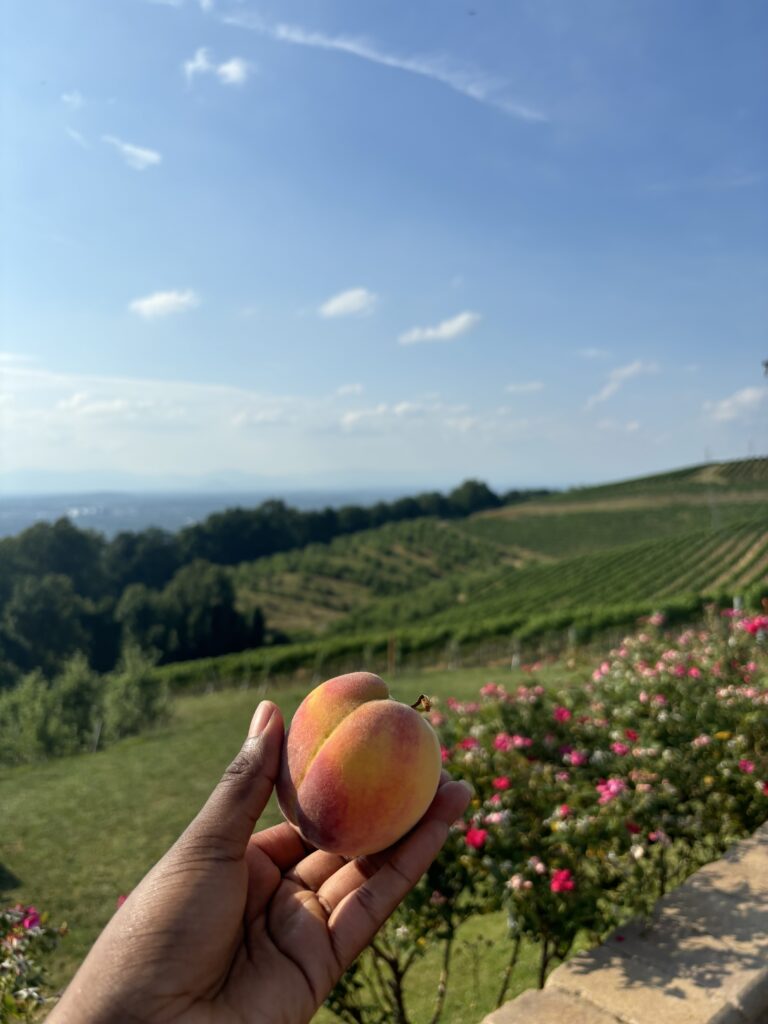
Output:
(65, 590)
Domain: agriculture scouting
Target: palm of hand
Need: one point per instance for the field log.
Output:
(232, 927)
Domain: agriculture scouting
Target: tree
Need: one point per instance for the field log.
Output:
(61, 549)
(40, 624)
(200, 601)
(472, 496)
(143, 620)
(150, 557)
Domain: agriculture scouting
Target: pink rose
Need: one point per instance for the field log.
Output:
(476, 837)
(31, 919)
(561, 881)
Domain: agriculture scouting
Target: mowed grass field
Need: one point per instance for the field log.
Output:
(77, 832)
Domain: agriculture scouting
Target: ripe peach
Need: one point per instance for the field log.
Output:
(358, 768)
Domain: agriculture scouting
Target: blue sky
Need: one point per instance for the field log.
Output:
(357, 243)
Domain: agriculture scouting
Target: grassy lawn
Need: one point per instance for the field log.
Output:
(79, 831)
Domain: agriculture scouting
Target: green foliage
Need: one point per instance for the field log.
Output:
(78, 710)
(194, 616)
(134, 698)
(590, 803)
(42, 718)
(40, 623)
(26, 940)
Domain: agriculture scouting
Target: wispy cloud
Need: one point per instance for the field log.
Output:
(617, 379)
(444, 331)
(135, 156)
(234, 71)
(470, 82)
(349, 389)
(525, 387)
(200, 64)
(150, 307)
(384, 415)
(73, 100)
(737, 406)
(353, 302)
(614, 426)
(594, 353)
(77, 137)
(206, 5)
(15, 359)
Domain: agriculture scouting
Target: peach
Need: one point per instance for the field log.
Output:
(359, 769)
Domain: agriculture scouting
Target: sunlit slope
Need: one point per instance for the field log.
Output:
(651, 508)
(306, 590)
(417, 569)
(705, 562)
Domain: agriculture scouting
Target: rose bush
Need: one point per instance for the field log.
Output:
(25, 937)
(592, 801)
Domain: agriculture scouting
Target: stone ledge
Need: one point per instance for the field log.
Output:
(701, 959)
(544, 1007)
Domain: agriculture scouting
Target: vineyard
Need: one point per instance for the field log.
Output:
(307, 590)
(559, 570)
(705, 563)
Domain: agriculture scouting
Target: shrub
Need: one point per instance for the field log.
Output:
(25, 938)
(134, 697)
(590, 802)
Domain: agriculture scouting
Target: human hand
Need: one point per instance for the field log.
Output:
(232, 927)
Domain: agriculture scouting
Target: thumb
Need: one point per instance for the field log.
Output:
(227, 819)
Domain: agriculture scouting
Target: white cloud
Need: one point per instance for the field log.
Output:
(77, 137)
(430, 414)
(349, 389)
(614, 426)
(14, 358)
(738, 405)
(470, 82)
(444, 331)
(135, 156)
(73, 100)
(197, 65)
(618, 377)
(206, 5)
(594, 353)
(164, 303)
(234, 71)
(353, 302)
(525, 387)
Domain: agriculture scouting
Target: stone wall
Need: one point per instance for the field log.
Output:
(701, 959)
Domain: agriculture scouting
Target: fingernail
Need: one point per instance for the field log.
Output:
(261, 718)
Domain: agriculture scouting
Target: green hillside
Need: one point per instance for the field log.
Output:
(694, 531)
(714, 477)
(701, 563)
(307, 590)
(559, 530)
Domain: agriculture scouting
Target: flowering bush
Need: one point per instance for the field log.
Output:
(24, 938)
(593, 801)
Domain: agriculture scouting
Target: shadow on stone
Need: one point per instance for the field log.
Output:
(706, 944)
